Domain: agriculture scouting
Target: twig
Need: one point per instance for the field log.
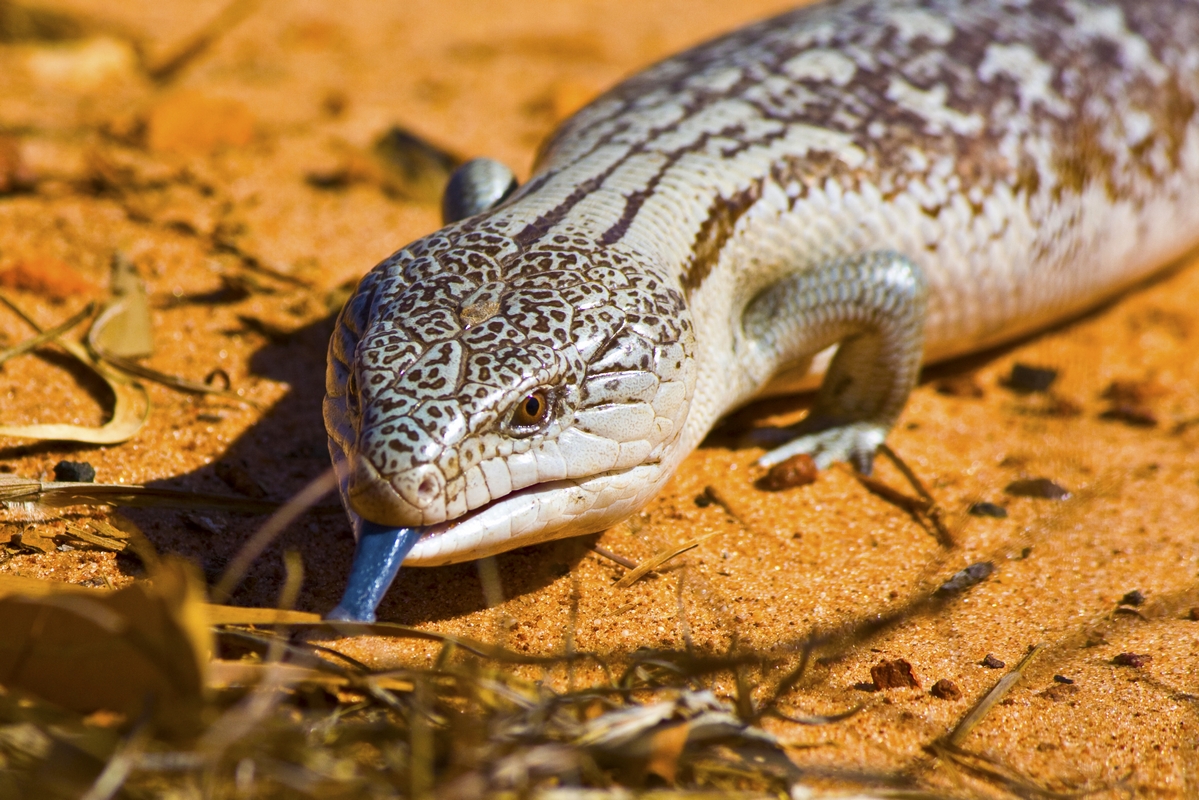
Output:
(934, 512)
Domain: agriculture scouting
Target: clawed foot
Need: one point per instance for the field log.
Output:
(827, 441)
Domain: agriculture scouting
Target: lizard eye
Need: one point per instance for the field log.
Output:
(532, 413)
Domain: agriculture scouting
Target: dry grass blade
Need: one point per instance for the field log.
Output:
(627, 563)
(237, 615)
(48, 334)
(55, 494)
(126, 420)
(231, 674)
(997, 693)
(170, 381)
(655, 561)
(995, 772)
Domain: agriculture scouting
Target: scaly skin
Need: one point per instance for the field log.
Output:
(1001, 165)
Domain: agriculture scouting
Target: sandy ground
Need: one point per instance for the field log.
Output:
(242, 257)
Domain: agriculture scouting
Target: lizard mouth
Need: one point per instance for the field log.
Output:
(527, 516)
(538, 513)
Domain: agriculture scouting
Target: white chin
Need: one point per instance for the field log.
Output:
(537, 514)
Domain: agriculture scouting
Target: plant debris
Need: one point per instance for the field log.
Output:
(1042, 488)
(658, 559)
(983, 707)
(55, 494)
(413, 168)
(991, 662)
(130, 409)
(965, 579)
(985, 509)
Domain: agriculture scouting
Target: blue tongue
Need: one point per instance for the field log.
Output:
(377, 561)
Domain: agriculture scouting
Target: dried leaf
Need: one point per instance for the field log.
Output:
(126, 419)
(123, 328)
(142, 649)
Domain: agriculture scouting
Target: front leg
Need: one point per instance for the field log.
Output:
(872, 306)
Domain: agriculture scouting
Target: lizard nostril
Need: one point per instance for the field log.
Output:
(422, 486)
(428, 488)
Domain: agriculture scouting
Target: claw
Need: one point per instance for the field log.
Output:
(377, 561)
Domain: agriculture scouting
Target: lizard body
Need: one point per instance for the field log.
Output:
(908, 180)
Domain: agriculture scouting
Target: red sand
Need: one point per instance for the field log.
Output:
(309, 83)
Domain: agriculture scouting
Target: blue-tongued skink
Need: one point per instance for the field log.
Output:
(907, 180)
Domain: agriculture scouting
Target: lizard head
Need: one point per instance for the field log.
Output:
(491, 396)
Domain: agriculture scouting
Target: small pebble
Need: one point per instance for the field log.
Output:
(1062, 679)
(991, 662)
(1025, 378)
(74, 472)
(798, 470)
(1037, 487)
(895, 674)
(1132, 660)
(1133, 598)
(970, 576)
(985, 509)
(946, 689)
(1194, 614)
